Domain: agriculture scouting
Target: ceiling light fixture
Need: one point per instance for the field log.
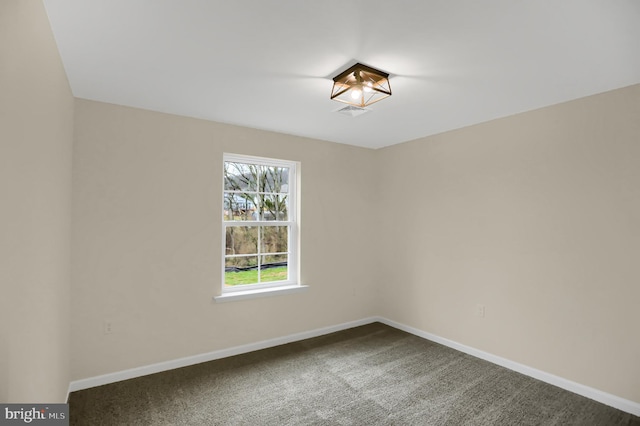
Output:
(360, 86)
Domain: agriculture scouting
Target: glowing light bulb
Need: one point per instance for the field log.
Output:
(356, 93)
(368, 87)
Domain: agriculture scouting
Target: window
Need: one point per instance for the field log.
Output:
(259, 224)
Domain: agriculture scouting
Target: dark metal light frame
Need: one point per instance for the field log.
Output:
(361, 86)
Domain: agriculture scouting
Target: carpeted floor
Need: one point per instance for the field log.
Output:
(369, 375)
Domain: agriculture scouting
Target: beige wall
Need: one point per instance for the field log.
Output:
(146, 238)
(36, 126)
(534, 216)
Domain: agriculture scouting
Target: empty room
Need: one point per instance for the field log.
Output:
(351, 212)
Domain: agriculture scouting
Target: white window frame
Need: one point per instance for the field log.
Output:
(292, 284)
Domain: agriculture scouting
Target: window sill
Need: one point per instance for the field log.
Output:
(263, 292)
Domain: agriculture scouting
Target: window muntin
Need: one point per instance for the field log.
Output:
(259, 223)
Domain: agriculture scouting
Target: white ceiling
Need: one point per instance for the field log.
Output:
(269, 64)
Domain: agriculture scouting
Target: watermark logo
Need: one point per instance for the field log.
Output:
(34, 414)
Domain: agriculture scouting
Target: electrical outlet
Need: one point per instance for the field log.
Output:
(108, 327)
(480, 310)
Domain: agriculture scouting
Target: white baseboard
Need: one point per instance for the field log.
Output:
(118, 376)
(577, 388)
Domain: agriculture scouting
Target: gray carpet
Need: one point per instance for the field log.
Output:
(369, 375)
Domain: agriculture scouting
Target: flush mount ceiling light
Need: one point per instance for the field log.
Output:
(360, 86)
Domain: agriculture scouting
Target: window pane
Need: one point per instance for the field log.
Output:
(241, 240)
(239, 206)
(274, 179)
(240, 177)
(274, 268)
(241, 262)
(274, 239)
(241, 270)
(276, 206)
